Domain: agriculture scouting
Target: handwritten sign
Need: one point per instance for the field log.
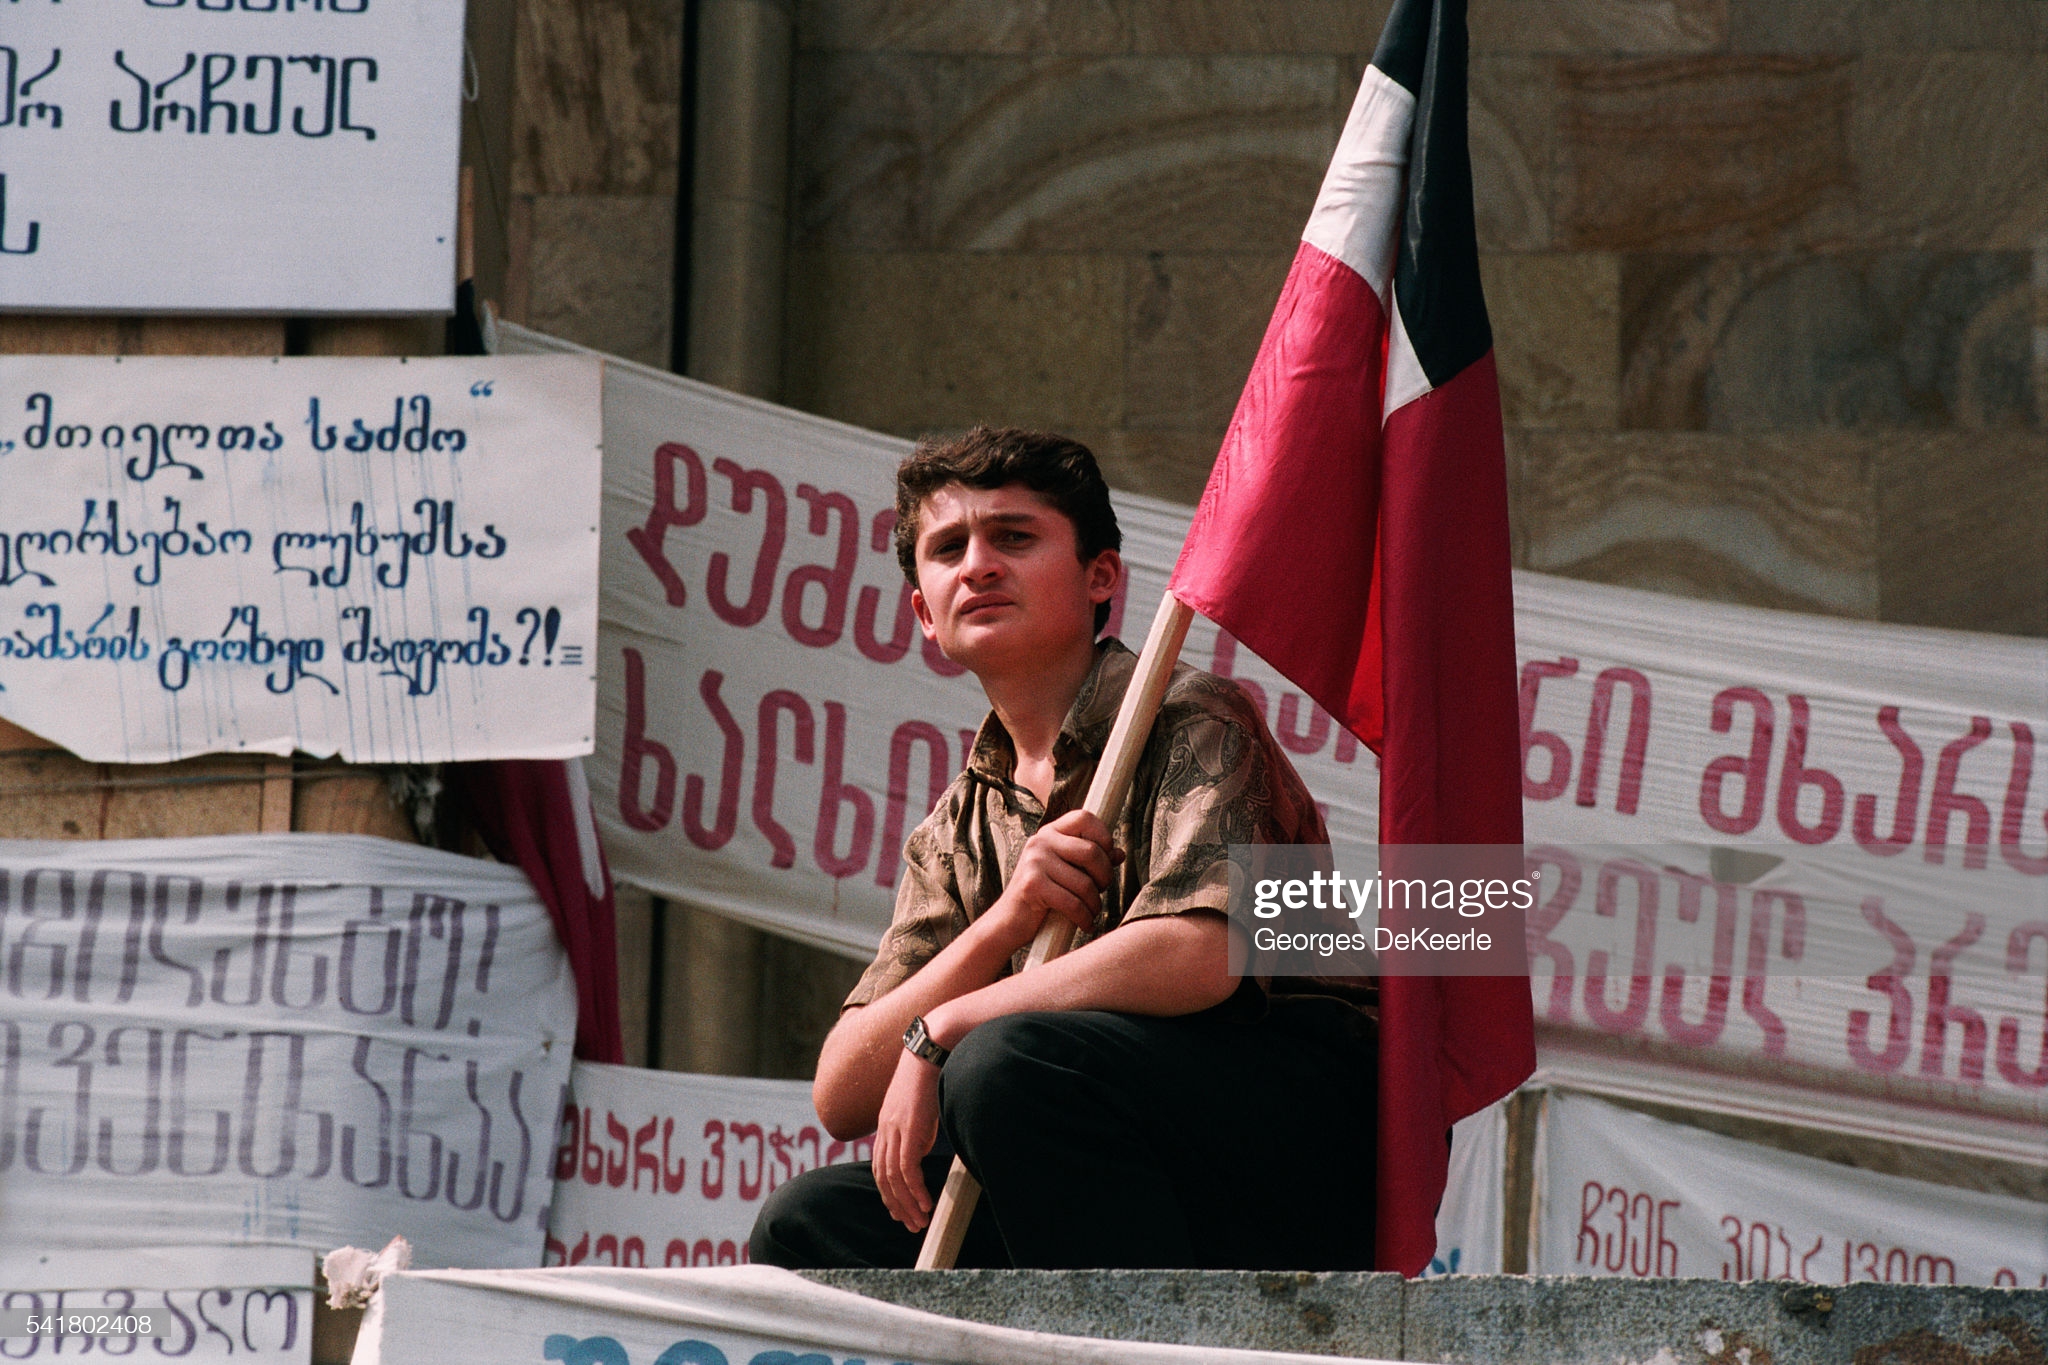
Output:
(315, 1040)
(391, 560)
(656, 1168)
(1626, 1194)
(229, 155)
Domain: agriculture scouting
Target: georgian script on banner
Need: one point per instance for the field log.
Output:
(182, 1303)
(660, 1169)
(1625, 1194)
(395, 561)
(317, 1040)
(1772, 842)
(279, 156)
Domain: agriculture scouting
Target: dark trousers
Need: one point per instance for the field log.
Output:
(1118, 1141)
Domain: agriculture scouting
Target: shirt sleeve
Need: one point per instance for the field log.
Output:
(1222, 781)
(928, 913)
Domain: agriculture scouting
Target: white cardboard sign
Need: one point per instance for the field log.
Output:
(394, 561)
(314, 1040)
(283, 156)
(664, 1169)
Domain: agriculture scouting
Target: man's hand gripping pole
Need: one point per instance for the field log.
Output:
(1105, 801)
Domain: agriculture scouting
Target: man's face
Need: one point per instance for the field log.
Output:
(1000, 583)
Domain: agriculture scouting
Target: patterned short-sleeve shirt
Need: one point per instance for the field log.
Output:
(1211, 775)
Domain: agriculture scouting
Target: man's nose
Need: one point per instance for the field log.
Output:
(980, 560)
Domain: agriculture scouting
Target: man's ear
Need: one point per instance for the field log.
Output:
(1105, 571)
(923, 611)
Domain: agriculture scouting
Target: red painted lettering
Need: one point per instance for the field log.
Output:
(665, 514)
(1629, 792)
(774, 529)
(1797, 777)
(837, 580)
(1559, 770)
(1905, 805)
(839, 793)
(1754, 769)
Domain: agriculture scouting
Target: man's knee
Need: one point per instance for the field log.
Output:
(1011, 1073)
(798, 1218)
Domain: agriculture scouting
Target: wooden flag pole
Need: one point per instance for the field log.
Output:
(1120, 754)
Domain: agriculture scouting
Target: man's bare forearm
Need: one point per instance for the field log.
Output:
(859, 1055)
(1165, 965)
(1168, 965)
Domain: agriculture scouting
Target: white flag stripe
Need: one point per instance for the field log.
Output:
(1406, 381)
(1358, 210)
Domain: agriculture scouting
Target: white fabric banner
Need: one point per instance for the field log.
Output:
(1625, 1194)
(1768, 842)
(306, 1039)
(392, 560)
(660, 1168)
(215, 156)
(1469, 1221)
(185, 1303)
(747, 1315)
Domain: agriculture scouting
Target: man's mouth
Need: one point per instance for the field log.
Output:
(979, 604)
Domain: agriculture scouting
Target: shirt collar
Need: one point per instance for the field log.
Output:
(1085, 729)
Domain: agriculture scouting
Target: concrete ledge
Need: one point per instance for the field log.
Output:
(1493, 1319)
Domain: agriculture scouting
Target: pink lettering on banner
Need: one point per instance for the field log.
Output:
(938, 774)
(836, 580)
(1940, 1013)
(1905, 803)
(1889, 983)
(2018, 947)
(1625, 1232)
(665, 515)
(1691, 891)
(1893, 1265)
(1754, 769)
(838, 794)
(1557, 753)
(2012, 821)
(1764, 1251)
(1947, 802)
(721, 829)
(636, 750)
(1629, 1018)
(774, 530)
(1757, 964)
(870, 645)
(802, 750)
(1797, 778)
(1629, 790)
(1546, 917)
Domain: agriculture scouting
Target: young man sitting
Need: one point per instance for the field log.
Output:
(1129, 1104)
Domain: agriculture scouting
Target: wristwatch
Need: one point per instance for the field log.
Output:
(917, 1040)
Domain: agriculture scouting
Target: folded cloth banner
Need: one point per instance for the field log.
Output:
(304, 1039)
(390, 560)
(749, 1315)
(660, 1168)
(1625, 1194)
(770, 727)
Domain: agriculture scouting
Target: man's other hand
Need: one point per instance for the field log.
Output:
(1063, 870)
(904, 1134)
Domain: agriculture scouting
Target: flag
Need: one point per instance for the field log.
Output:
(1354, 534)
(536, 814)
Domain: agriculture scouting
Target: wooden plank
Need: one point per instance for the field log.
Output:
(48, 794)
(274, 803)
(334, 798)
(222, 795)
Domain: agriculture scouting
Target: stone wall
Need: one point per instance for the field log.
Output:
(1765, 275)
(1492, 1319)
